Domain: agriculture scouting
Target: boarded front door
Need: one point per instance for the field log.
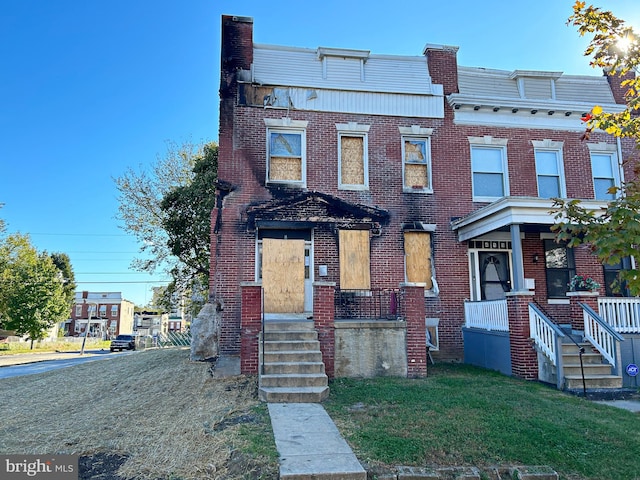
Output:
(283, 275)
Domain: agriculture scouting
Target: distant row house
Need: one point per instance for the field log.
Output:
(363, 192)
(108, 314)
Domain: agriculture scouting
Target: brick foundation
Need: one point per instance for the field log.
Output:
(250, 325)
(323, 319)
(416, 330)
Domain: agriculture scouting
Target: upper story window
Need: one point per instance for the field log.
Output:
(489, 168)
(416, 159)
(549, 169)
(114, 310)
(353, 156)
(604, 168)
(103, 311)
(286, 152)
(78, 311)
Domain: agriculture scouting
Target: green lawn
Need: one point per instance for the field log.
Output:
(462, 415)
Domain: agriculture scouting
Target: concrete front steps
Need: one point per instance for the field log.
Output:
(597, 373)
(293, 370)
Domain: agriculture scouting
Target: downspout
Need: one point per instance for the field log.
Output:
(620, 162)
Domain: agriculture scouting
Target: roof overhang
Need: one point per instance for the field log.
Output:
(512, 211)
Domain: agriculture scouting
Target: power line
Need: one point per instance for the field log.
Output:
(128, 281)
(81, 234)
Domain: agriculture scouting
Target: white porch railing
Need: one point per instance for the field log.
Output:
(602, 336)
(488, 315)
(623, 314)
(546, 335)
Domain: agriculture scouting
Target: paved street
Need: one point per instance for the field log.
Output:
(31, 363)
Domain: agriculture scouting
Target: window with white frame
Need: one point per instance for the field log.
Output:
(114, 310)
(416, 159)
(549, 169)
(103, 311)
(353, 157)
(489, 168)
(286, 151)
(78, 311)
(604, 168)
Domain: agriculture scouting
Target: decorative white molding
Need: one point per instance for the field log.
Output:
(416, 130)
(488, 140)
(602, 147)
(285, 122)
(352, 127)
(546, 143)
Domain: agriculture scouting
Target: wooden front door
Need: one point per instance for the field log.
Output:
(283, 275)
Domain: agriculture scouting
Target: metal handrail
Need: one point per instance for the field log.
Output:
(560, 372)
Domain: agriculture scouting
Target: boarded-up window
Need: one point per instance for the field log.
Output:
(286, 156)
(354, 259)
(417, 252)
(352, 161)
(416, 157)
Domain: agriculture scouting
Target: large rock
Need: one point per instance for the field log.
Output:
(205, 332)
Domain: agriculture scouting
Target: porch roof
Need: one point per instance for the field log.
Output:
(511, 211)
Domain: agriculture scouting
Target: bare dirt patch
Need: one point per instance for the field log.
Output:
(150, 415)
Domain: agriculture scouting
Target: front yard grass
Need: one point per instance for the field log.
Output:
(461, 415)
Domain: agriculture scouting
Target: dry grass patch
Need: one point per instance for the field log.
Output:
(168, 416)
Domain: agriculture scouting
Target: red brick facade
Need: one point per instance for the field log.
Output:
(242, 175)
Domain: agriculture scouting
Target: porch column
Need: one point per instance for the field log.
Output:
(577, 315)
(516, 254)
(524, 359)
(250, 326)
(415, 314)
(323, 319)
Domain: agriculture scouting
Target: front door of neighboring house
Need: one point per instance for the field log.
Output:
(285, 269)
(495, 275)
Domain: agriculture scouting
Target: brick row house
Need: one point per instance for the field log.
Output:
(108, 314)
(389, 199)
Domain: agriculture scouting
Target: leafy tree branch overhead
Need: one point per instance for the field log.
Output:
(167, 208)
(613, 233)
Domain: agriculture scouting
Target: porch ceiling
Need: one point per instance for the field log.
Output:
(511, 211)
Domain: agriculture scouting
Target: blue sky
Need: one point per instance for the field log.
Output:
(89, 88)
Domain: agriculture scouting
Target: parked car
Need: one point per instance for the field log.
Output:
(123, 342)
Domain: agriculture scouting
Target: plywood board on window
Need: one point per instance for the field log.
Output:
(415, 175)
(352, 160)
(417, 250)
(285, 168)
(354, 259)
(283, 275)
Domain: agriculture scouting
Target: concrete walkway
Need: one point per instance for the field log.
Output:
(310, 445)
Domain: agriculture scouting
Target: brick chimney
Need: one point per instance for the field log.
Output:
(237, 51)
(442, 61)
(615, 82)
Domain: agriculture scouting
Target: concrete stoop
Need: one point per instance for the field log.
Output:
(597, 373)
(293, 369)
(463, 473)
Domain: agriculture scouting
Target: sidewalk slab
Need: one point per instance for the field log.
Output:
(310, 445)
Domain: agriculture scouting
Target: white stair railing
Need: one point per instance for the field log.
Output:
(623, 314)
(546, 335)
(602, 336)
(487, 315)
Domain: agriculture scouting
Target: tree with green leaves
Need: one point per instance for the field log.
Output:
(614, 233)
(168, 207)
(32, 293)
